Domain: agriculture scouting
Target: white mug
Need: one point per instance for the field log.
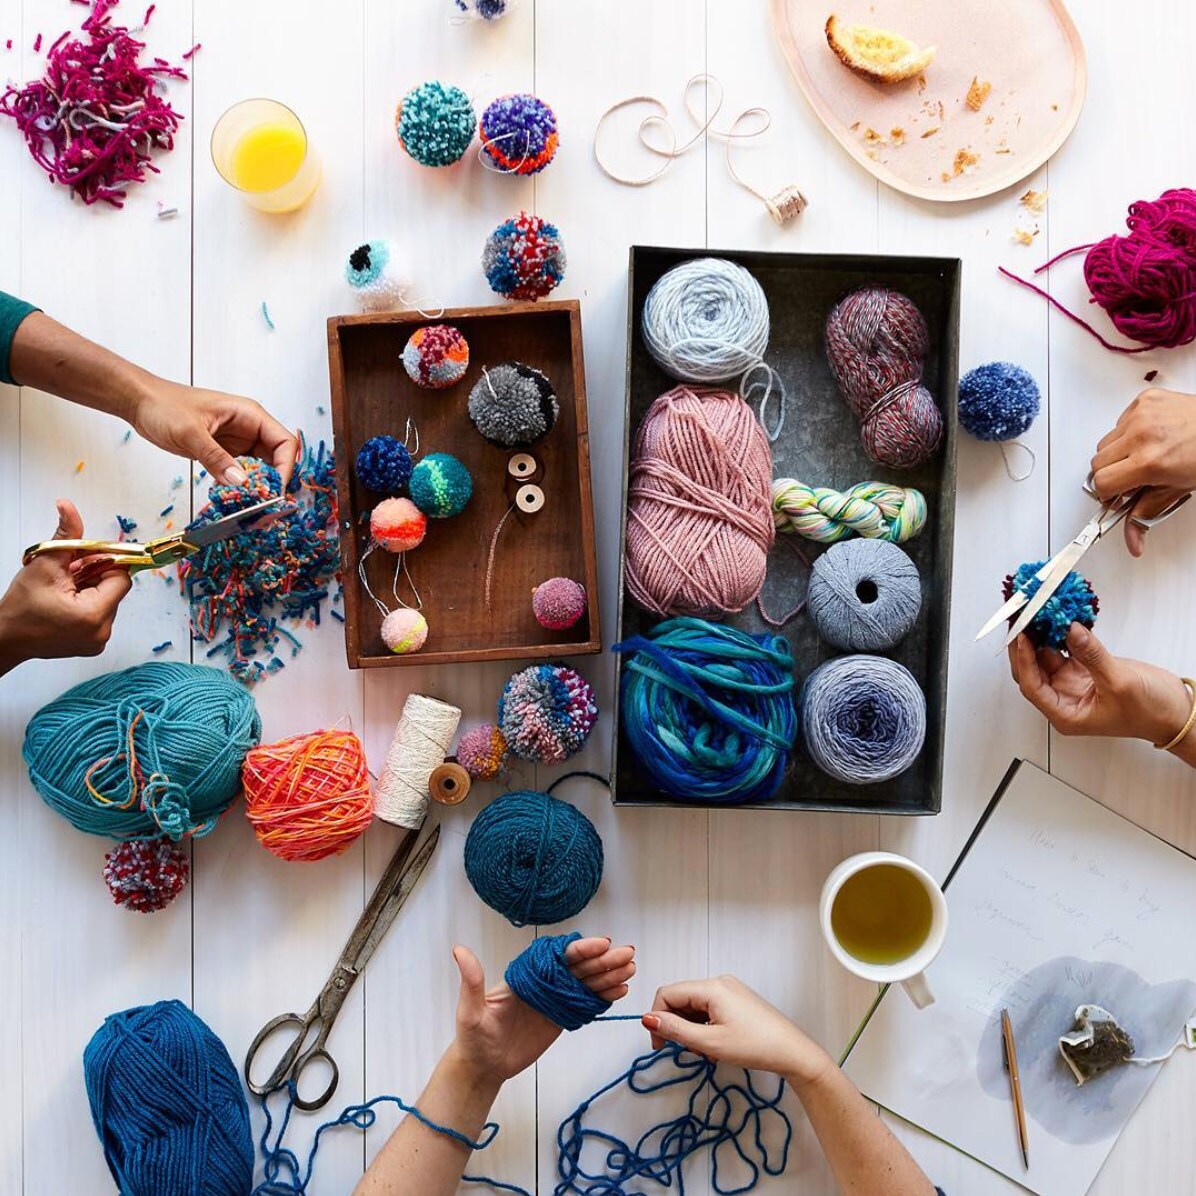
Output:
(909, 972)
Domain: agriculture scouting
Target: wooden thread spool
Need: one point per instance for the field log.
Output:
(524, 483)
(525, 467)
(529, 500)
(449, 783)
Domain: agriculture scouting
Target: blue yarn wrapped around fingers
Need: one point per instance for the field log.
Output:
(540, 977)
(709, 709)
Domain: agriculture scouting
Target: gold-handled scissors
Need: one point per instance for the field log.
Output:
(1052, 574)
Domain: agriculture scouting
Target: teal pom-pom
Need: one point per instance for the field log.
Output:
(435, 124)
(440, 486)
(1075, 601)
(998, 401)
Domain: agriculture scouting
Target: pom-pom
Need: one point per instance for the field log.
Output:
(263, 481)
(146, 875)
(482, 752)
(440, 486)
(373, 275)
(436, 356)
(404, 631)
(1075, 601)
(533, 858)
(558, 603)
(524, 258)
(547, 712)
(398, 525)
(513, 405)
(997, 401)
(483, 10)
(308, 797)
(384, 465)
(519, 134)
(435, 123)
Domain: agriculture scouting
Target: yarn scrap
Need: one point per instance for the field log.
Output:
(874, 510)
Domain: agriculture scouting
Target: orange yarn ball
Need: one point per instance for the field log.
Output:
(308, 797)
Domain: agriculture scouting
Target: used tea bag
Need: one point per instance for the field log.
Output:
(1095, 1043)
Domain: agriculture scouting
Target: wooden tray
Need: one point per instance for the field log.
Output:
(372, 395)
(1029, 50)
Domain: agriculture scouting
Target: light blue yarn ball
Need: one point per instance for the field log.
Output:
(998, 401)
(540, 977)
(864, 595)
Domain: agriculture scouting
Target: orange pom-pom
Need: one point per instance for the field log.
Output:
(308, 796)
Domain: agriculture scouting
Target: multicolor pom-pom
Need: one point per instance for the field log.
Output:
(513, 405)
(482, 752)
(436, 356)
(547, 712)
(384, 465)
(435, 123)
(440, 486)
(519, 134)
(398, 525)
(404, 631)
(998, 401)
(558, 603)
(146, 875)
(483, 10)
(262, 481)
(373, 275)
(1074, 601)
(524, 258)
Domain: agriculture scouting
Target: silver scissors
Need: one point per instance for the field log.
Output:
(396, 885)
(1054, 571)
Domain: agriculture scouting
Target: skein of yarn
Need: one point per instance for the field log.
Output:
(699, 505)
(874, 510)
(864, 595)
(152, 750)
(541, 978)
(421, 742)
(167, 1104)
(876, 345)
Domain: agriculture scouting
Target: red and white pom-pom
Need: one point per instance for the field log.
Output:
(146, 874)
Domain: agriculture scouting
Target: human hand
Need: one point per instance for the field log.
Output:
(725, 1020)
(51, 609)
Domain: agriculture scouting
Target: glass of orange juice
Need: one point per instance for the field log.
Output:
(260, 147)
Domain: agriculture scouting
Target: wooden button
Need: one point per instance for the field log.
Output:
(449, 783)
(529, 499)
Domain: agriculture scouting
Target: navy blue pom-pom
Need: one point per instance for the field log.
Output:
(1075, 601)
(997, 401)
(384, 465)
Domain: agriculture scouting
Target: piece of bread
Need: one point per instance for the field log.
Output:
(876, 53)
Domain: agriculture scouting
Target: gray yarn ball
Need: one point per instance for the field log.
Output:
(513, 405)
(864, 595)
(863, 718)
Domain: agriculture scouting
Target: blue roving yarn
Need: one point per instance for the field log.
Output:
(864, 595)
(1074, 601)
(708, 709)
(167, 1104)
(998, 401)
(384, 465)
(541, 978)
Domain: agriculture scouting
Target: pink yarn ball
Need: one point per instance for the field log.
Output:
(482, 752)
(558, 603)
(404, 631)
(398, 525)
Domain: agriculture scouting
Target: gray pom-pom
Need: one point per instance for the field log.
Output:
(513, 405)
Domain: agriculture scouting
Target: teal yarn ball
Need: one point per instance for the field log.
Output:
(189, 728)
(435, 123)
(167, 1103)
(540, 977)
(440, 486)
(533, 858)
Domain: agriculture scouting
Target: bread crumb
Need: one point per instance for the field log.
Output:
(896, 135)
(988, 120)
(1034, 201)
(930, 132)
(872, 136)
(852, 128)
(1054, 107)
(978, 93)
(964, 160)
(921, 83)
(945, 177)
(1024, 236)
(1004, 151)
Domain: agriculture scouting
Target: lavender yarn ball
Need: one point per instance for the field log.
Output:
(998, 401)
(519, 134)
(546, 713)
(513, 405)
(864, 595)
(384, 465)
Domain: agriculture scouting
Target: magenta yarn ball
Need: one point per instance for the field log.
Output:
(558, 603)
(398, 525)
(404, 630)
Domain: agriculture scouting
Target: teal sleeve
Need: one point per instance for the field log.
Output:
(12, 312)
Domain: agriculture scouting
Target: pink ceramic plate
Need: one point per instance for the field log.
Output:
(920, 136)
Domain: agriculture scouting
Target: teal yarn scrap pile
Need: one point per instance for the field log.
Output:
(151, 750)
(709, 710)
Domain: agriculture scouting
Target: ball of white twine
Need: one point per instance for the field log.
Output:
(421, 742)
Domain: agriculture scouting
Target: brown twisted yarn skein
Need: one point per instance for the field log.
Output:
(699, 506)
(876, 344)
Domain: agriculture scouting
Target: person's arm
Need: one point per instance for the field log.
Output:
(725, 1020)
(497, 1037)
(13, 312)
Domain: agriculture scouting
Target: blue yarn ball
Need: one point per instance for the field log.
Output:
(541, 978)
(435, 123)
(190, 727)
(440, 486)
(997, 401)
(533, 858)
(864, 595)
(384, 465)
(1075, 601)
(167, 1104)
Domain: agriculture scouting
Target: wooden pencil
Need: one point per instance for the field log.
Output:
(1015, 1086)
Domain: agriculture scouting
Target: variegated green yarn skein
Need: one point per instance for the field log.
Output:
(873, 510)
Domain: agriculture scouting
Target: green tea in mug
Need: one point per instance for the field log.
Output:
(882, 915)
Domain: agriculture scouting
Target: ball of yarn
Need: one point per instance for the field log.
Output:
(875, 510)
(435, 123)
(876, 344)
(308, 797)
(699, 505)
(706, 320)
(440, 486)
(524, 258)
(436, 356)
(708, 710)
(513, 405)
(146, 875)
(373, 275)
(167, 1104)
(384, 465)
(519, 134)
(1075, 601)
(398, 525)
(863, 718)
(152, 750)
(533, 858)
(404, 631)
(546, 713)
(483, 10)
(482, 752)
(864, 595)
(997, 401)
(558, 603)
(540, 977)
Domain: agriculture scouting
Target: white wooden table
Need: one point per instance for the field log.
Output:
(696, 892)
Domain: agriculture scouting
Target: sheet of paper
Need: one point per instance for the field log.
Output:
(1059, 903)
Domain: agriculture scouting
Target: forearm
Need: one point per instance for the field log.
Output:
(418, 1161)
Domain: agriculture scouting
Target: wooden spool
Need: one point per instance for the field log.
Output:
(449, 783)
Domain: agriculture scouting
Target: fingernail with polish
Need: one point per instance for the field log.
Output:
(234, 475)
(651, 1021)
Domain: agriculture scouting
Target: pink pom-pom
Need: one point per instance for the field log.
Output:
(482, 752)
(146, 874)
(558, 603)
(398, 525)
(404, 630)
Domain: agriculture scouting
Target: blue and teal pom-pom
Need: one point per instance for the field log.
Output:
(435, 123)
(1075, 601)
(997, 401)
(440, 486)
(384, 465)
